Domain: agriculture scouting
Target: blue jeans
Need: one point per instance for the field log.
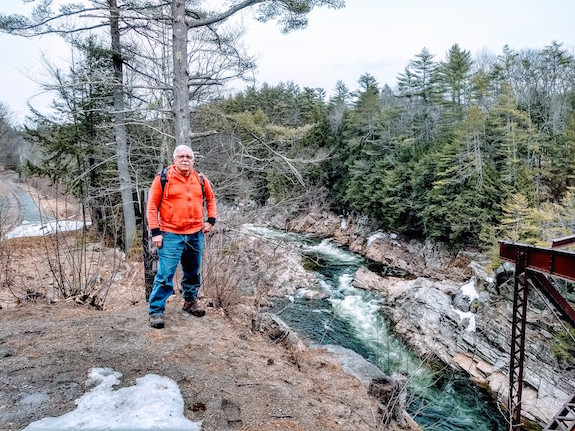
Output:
(176, 248)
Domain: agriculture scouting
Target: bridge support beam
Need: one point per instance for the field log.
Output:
(532, 264)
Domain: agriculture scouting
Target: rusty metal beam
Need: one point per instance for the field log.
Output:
(540, 282)
(531, 266)
(559, 263)
(563, 242)
(565, 419)
(520, 293)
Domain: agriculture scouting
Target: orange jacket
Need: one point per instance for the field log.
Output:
(180, 208)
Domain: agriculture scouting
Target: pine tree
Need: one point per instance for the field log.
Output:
(562, 159)
(511, 131)
(417, 81)
(360, 144)
(339, 104)
(418, 86)
(454, 78)
(69, 144)
(465, 199)
(513, 226)
(11, 144)
(566, 218)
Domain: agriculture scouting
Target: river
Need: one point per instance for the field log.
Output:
(438, 399)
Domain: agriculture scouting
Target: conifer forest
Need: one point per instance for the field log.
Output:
(461, 149)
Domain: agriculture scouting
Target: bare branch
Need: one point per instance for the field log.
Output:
(224, 15)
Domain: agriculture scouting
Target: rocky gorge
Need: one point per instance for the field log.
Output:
(455, 310)
(450, 308)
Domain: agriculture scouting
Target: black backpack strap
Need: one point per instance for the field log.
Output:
(202, 182)
(163, 180)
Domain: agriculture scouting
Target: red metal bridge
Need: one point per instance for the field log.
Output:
(532, 266)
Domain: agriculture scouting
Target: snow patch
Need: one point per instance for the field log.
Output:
(468, 290)
(471, 326)
(375, 237)
(41, 229)
(155, 402)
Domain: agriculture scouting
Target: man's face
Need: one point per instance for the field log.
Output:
(184, 162)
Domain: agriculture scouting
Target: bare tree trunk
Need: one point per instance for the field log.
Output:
(180, 104)
(119, 119)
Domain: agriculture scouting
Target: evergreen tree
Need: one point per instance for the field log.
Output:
(398, 205)
(69, 144)
(339, 104)
(11, 143)
(417, 81)
(554, 80)
(513, 226)
(453, 75)
(465, 199)
(560, 172)
(513, 134)
(566, 219)
(360, 144)
(418, 86)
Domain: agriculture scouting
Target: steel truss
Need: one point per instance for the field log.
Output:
(532, 264)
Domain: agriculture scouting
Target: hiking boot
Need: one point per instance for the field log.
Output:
(194, 308)
(157, 321)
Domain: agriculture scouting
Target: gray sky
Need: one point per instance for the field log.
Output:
(374, 36)
(381, 36)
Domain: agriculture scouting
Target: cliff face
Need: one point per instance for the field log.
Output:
(426, 259)
(471, 332)
(457, 311)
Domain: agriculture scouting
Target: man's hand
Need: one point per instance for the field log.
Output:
(157, 240)
(207, 227)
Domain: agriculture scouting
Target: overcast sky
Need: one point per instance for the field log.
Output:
(367, 36)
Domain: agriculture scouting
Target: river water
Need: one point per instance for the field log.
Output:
(438, 399)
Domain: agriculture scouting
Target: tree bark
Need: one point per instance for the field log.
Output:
(119, 121)
(180, 103)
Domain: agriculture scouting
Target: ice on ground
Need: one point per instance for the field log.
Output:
(48, 228)
(471, 326)
(375, 237)
(154, 403)
(468, 290)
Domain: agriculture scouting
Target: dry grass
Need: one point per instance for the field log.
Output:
(60, 267)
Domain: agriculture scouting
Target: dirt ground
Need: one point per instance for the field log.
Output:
(230, 376)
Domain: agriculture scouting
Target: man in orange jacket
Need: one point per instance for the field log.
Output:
(176, 220)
